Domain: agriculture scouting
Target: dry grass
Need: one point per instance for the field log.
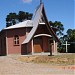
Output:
(65, 59)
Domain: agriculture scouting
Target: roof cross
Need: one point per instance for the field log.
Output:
(40, 1)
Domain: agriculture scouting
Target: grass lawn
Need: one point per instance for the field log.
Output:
(62, 59)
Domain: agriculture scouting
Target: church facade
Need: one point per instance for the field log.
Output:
(30, 36)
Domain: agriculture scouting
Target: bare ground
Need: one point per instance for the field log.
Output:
(21, 65)
(62, 59)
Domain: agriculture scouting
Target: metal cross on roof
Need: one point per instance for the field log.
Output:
(66, 46)
(40, 1)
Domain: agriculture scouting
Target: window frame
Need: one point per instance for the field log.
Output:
(16, 40)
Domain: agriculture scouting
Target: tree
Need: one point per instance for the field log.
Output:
(24, 16)
(71, 40)
(70, 37)
(57, 25)
(69, 32)
(13, 18)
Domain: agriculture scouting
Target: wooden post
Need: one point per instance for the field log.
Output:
(50, 50)
(32, 48)
(54, 45)
(56, 48)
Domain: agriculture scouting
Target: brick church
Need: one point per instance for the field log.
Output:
(30, 36)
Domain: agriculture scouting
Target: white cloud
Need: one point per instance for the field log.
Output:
(27, 1)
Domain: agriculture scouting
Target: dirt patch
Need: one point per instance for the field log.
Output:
(58, 59)
(22, 65)
(27, 58)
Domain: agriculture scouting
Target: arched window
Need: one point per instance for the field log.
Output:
(16, 40)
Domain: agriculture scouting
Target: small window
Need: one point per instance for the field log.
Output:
(16, 40)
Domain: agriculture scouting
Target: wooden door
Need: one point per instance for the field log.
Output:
(38, 45)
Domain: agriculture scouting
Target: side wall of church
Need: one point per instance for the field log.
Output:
(12, 48)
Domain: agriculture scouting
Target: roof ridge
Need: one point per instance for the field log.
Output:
(19, 25)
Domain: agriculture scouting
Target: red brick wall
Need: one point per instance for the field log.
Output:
(29, 47)
(26, 48)
(23, 49)
(12, 49)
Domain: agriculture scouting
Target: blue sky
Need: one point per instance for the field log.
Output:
(56, 10)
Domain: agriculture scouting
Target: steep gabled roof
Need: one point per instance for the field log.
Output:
(27, 23)
(36, 20)
(40, 12)
(48, 26)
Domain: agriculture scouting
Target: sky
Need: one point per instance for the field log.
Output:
(56, 10)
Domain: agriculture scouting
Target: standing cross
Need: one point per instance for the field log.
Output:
(66, 45)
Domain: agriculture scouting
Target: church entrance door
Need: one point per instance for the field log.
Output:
(38, 45)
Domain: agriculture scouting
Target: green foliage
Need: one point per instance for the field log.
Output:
(13, 18)
(61, 49)
(57, 25)
(70, 37)
(24, 16)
